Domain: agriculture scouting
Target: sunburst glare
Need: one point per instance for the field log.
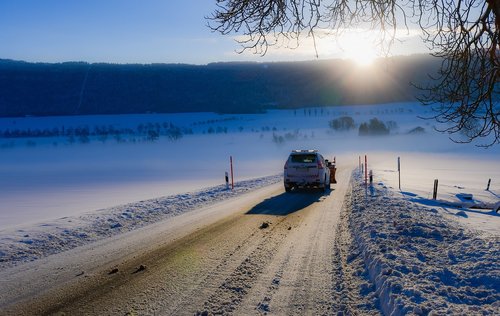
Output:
(359, 47)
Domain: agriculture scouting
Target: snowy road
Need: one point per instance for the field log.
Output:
(218, 259)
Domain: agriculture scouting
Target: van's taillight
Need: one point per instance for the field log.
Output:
(320, 165)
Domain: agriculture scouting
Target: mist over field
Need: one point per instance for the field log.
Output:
(93, 162)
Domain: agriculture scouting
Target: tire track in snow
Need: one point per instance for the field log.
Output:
(212, 278)
(311, 291)
(230, 293)
(174, 265)
(312, 286)
(250, 247)
(300, 277)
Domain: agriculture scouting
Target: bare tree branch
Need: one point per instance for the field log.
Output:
(464, 34)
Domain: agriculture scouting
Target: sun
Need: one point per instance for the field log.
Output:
(359, 48)
(362, 57)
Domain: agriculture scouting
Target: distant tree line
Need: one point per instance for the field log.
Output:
(149, 131)
(217, 130)
(373, 127)
(77, 88)
(212, 121)
(343, 123)
(289, 136)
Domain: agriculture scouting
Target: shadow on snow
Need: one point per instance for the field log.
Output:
(449, 206)
(286, 203)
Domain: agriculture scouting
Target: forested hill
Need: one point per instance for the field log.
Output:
(77, 88)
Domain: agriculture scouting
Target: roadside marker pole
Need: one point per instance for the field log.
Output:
(227, 181)
(232, 176)
(434, 194)
(359, 163)
(488, 187)
(399, 172)
(366, 170)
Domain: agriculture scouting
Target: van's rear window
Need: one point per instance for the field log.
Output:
(306, 158)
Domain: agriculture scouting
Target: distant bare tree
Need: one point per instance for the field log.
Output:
(463, 33)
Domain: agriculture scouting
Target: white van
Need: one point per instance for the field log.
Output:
(306, 168)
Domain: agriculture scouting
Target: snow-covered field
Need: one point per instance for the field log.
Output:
(62, 192)
(462, 183)
(48, 178)
(421, 262)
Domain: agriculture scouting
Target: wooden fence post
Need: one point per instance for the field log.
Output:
(488, 187)
(434, 194)
(399, 172)
(232, 175)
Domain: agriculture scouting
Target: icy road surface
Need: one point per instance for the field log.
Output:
(218, 259)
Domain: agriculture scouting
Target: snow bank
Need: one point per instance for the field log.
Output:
(44, 239)
(421, 262)
(463, 179)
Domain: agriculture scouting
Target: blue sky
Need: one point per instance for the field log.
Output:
(125, 31)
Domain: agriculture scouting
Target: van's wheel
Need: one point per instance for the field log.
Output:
(288, 189)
